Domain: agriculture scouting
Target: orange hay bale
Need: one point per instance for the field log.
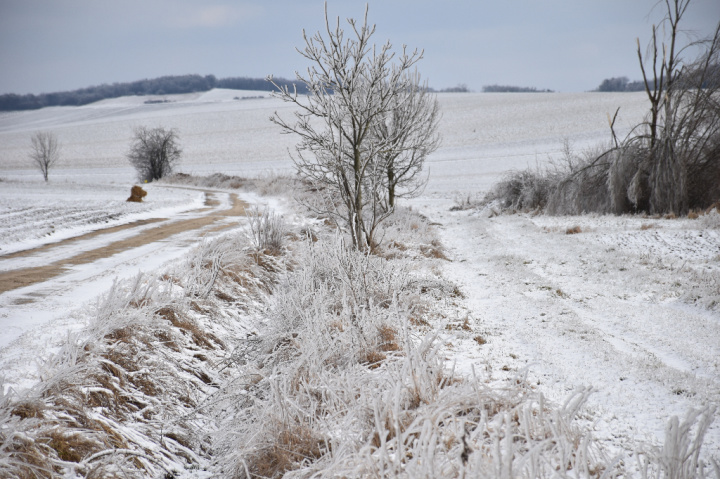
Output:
(137, 194)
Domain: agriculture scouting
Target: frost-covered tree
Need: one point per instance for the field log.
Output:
(410, 129)
(45, 151)
(154, 152)
(683, 127)
(354, 88)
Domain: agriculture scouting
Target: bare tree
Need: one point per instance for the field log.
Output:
(354, 87)
(410, 131)
(45, 151)
(684, 117)
(154, 152)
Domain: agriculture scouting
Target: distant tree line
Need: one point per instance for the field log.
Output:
(460, 88)
(688, 79)
(512, 89)
(166, 85)
(620, 84)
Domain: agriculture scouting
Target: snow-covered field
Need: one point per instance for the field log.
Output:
(627, 305)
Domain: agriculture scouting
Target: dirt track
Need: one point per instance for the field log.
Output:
(19, 278)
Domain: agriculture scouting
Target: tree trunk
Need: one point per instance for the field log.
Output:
(358, 236)
(391, 186)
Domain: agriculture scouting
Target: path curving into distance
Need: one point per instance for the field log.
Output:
(165, 228)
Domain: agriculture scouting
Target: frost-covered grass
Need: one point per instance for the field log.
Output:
(124, 394)
(341, 382)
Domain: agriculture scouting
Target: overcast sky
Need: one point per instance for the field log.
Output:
(563, 45)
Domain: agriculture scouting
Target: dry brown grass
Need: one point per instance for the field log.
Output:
(390, 430)
(418, 320)
(388, 338)
(292, 446)
(166, 339)
(647, 226)
(715, 206)
(460, 326)
(133, 376)
(31, 460)
(224, 297)
(309, 233)
(120, 335)
(434, 250)
(573, 230)
(372, 358)
(70, 446)
(200, 337)
(397, 245)
(28, 409)
(480, 340)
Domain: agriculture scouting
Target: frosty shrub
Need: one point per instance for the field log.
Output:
(216, 180)
(266, 229)
(594, 181)
(408, 234)
(668, 164)
(154, 152)
(525, 190)
(711, 219)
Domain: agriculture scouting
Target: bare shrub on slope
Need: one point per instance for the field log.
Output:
(666, 165)
(267, 230)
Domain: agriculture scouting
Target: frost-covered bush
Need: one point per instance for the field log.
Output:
(266, 229)
(525, 190)
(607, 179)
(215, 180)
(594, 181)
(710, 219)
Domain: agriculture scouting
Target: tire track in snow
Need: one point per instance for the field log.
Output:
(581, 314)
